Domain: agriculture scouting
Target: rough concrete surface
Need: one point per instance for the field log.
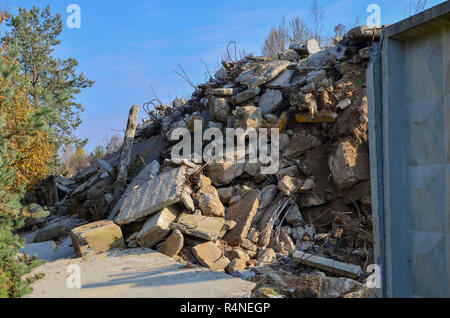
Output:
(136, 273)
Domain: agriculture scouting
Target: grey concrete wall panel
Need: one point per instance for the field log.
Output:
(409, 115)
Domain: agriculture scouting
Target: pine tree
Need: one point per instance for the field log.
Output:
(12, 268)
(53, 82)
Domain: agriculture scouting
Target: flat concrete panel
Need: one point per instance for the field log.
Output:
(426, 122)
(447, 198)
(447, 124)
(412, 217)
(424, 57)
(428, 199)
(428, 266)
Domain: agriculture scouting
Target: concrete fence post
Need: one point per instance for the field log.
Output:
(128, 145)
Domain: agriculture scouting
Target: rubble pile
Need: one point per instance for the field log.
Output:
(305, 231)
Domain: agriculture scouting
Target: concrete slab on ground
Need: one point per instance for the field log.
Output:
(136, 273)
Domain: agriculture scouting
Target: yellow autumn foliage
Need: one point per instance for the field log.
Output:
(36, 151)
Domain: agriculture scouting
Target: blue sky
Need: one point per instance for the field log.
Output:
(126, 45)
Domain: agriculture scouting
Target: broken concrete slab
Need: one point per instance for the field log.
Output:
(221, 91)
(222, 173)
(211, 256)
(96, 238)
(266, 256)
(309, 48)
(203, 227)
(364, 33)
(312, 46)
(288, 185)
(146, 174)
(85, 174)
(156, 228)
(291, 171)
(270, 101)
(333, 287)
(289, 55)
(348, 164)
(282, 81)
(327, 264)
(244, 95)
(56, 228)
(173, 245)
(261, 73)
(209, 201)
(236, 265)
(219, 108)
(247, 117)
(152, 196)
(242, 213)
(50, 233)
(343, 104)
(237, 253)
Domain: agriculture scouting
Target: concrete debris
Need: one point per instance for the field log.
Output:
(245, 95)
(261, 73)
(128, 144)
(210, 255)
(270, 101)
(219, 108)
(237, 253)
(242, 213)
(282, 81)
(344, 269)
(314, 210)
(289, 55)
(96, 238)
(247, 117)
(289, 185)
(173, 245)
(57, 228)
(364, 33)
(156, 228)
(203, 227)
(343, 104)
(265, 257)
(236, 265)
(349, 165)
(209, 201)
(152, 196)
(224, 172)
